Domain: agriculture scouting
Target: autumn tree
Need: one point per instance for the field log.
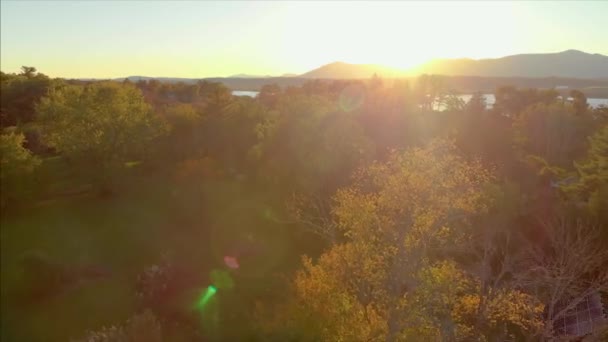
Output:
(388, 279)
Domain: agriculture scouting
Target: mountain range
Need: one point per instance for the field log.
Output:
(565, 64)
(342, 70)
(569, 63)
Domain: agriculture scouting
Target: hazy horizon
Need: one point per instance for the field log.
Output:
(407, 72)
(88, 39)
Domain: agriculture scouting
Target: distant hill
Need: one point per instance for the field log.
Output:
(569, 63)
(162, 79)
(342, 70)
(565, 64)
(571, 69)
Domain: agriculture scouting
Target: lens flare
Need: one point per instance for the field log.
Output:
(205, 297)
(231, 262)
(351, 97)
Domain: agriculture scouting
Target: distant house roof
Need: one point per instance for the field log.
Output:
(581, 320)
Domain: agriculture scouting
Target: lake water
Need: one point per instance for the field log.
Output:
(245, 93)
(490, 99)
(597, 102)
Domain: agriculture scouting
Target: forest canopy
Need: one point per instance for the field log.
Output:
(342, 210)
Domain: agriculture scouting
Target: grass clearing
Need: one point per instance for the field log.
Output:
(121, 234)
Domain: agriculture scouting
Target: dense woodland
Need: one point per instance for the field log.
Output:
(592, 88)
(331, 211)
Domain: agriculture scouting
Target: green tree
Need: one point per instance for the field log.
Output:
(185, 138)
(591, 186)
(553, 132)
(306, 146)
(17, 165)
(99, 127)
(20, 94)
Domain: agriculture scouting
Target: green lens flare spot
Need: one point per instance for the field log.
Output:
(205, 297)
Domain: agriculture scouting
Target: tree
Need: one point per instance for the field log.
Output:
(565, 269)
(452, 103)
(99, 127)
(230, 133)
(430, 91)
(591, 186)
(579, 101)
(480, 134)
(388, 280)
(185, 124)
(16, 167)
(20, 94)
(306, 146)
(477, 104)
(216, 96)
(553, 132)
(269, 95)
(510, 101)
(28, 71)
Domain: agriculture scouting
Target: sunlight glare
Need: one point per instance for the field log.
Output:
(401, 35)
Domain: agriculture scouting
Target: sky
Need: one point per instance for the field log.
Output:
(106, 39)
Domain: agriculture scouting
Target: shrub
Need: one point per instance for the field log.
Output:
(143, 327)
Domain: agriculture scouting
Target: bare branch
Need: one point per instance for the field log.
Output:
(568, 267)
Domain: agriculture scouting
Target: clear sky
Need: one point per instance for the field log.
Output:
(205, 39)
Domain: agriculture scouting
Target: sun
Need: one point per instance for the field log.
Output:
(402, 35)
